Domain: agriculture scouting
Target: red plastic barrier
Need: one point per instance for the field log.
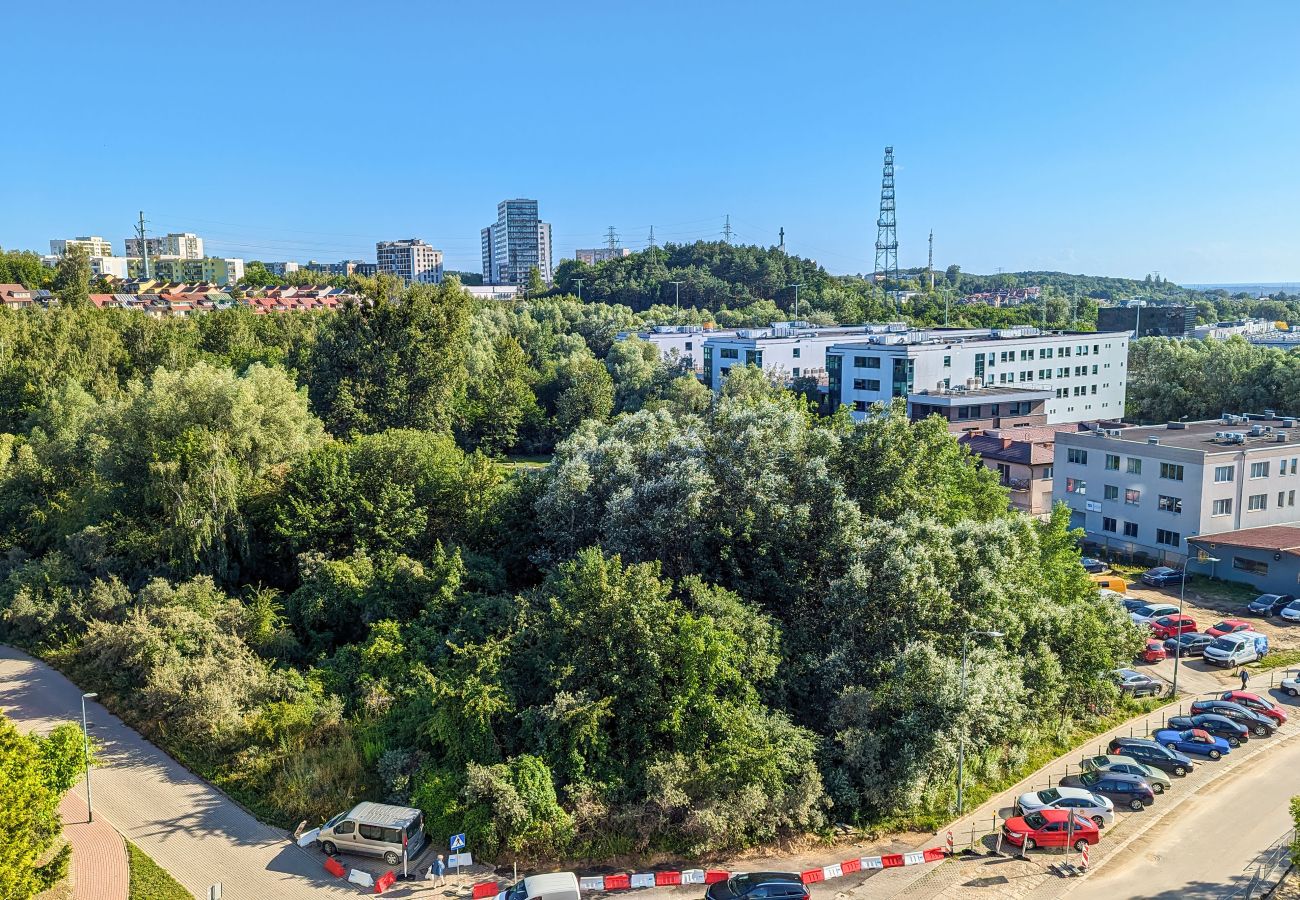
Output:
(618, 882)
(384, 882)
(334, 867)
(851, 865)
(713, 876)
(662, 878)
(485, 889)
(812, 875)
(891, 859)
(934, 854)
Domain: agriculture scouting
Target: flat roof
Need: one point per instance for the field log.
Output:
(936, 338)
(961, 396)
(1202, 435)
(1284, 538)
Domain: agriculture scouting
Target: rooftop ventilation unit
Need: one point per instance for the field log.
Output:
(1113, 432)
(1176, 425)
(1270, 414)
(1256, 430)
(1288, 423)
(1281, 436)
(1153, 440)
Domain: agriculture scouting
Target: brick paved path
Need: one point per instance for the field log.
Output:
(99, 866)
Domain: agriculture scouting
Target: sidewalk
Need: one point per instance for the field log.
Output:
(99, 865)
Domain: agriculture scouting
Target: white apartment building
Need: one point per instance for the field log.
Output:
(1147, 490)
(99, 251)
(177, 245)
(680, 343)
(600, 254)
(1082, 373)
(786, 350)
(94, 246)
(411, 260)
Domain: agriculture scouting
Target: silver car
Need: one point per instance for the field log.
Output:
(1080, 800)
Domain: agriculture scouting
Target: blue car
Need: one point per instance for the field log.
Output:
(1192, 740)
(1161, 576)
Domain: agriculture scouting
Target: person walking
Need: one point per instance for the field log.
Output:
(1245, 677)
(437, 872)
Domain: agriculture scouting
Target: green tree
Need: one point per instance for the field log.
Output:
(72, 277)
(34, 775)
(536, 286)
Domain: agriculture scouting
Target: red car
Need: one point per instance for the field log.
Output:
(1229, 626)
(1256, 703)
(1154, 652)
(1050, 828)
(1172, 626)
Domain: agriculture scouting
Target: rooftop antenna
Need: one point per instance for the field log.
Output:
(144, 247)
(611, 238)
(887, 229)
(726, 231)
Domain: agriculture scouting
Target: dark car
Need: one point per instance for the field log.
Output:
(755, 885)
(1189, 644)
(1136, 684)
(1094, 566)
(1161, 576)
(1123, 789)
(1220, 726)
(1259, 725)
(1151, 753)
(1269, 604)
(1132, 603)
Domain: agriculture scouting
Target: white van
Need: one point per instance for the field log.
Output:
(554, 886)
(1236, 649)
(372, 829)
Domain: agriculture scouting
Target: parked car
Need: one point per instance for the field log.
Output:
(1050, 828)
(1154, 651)
(1291, 684)
(1229, 626)
(1256, 703)
(753, 885)
(1083, 802)
(1136, 684)
(1145, 615)
(1128, 765)
(1269, 604)
(1161, 576)
(1234, 733)
(1145, 750)
(1193, 740)
(1259, 725)
(1291, 612)
(373, 829)
(1120, 788)
(1132, 603)
(1169, 626)
(551, 886)
(1237, 649)
(1093, 566)
(1191, 644)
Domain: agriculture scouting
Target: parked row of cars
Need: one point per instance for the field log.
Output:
(1134, 771)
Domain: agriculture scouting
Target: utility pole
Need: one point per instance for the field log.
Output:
(144, 248)
(796, 286)
(678, 300)
(611, 238)
(578, 281)
(85, 753)
(930, 264)
(652, 237)
(887, 231)
(726, 231)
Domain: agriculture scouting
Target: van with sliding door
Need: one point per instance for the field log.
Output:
(372, 829)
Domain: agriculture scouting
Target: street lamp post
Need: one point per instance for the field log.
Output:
(961, 734)
(578, 281)
(1182, 594)
(85, 753)
(796, 286)
(677, 302)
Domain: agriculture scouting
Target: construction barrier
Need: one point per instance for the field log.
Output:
(811, 876)
(1085, 857)
(713, 876)
(361, 878)
(334, 867)
(490, 889)
(663, 878)
(385, 881)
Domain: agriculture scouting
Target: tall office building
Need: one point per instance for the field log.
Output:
(178, 245)
(411, 260)
(515, 243)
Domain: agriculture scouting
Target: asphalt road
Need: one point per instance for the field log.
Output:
(190, 828)
(1202, 849)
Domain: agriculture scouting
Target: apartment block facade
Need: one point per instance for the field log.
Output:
(1146, 491)
(1080, 374)
(411, 260)
(515, 243)
(93, 245)
(786, 350)
(182, 245)
(209, 269)
(600, 254)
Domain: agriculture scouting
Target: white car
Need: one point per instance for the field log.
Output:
(1291, 612)
(1145, 615)
(1082, 801)
(1291, 684)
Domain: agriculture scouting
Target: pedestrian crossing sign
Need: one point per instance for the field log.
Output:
(458, 841)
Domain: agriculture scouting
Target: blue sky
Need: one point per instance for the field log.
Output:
(1108, 138)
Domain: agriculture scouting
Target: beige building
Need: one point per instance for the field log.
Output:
(1022, 457)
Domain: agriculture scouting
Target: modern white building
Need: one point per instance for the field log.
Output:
(177, 245)
(1221, 331)
(1082, 373)
(600, 254)
(411, 260)
(93, 245)
(786, 350)
(103, 264)
(680, 343)
(281, 268)
(492, 291)
(515, 243)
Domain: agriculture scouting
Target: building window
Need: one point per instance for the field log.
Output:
(1047, 472)
(1259, 470)
(859, 384)
(1132, 496)
(1077, 456)
(947, 362)
(796, 352)
(1257, 502)
(730, 353)
(1108, 524)
(873, 362)
(1224, 474)
(1170, 504)
(873, 384)
(1168, 538)
(1221, 508)
(1110, 492)
(1251, 566)
(1112, 462)
(1171, 471)
(1290, 498)
(860, 405)
(1131, 529)
(1076, 486)
(1134, 466)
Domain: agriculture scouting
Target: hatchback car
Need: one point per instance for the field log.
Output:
(1228, 626)
(1291, 612)
(1145, 615)
(1093, 566)
(1256, 703)
(1050, 828)
(1156, 755)
(1269, 604)
(1259, 725)
(1154, 651)
(1190, 644)
(1161, 576)
(1135, 684)
(1083, 802)
(1108, 763)
(1120, 788)
(1171, 626)
(1234, 733)
(755, 885)
(1193, 740)
(1291, 684)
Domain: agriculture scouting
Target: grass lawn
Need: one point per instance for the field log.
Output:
(149, 881)
(540, 461)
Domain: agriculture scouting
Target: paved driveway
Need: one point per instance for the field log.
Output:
(189, 827)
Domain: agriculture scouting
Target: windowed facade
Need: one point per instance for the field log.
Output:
(1134, 466)
(1257, 502)
(1168, 538)
(1171, 471)
(1112, 462)
(1130, 529)
(1076, 486)
(1224, 474)
(1077, 456)
(1110, 492)
(1170, 504)
(1221, 507)
(1259, 469)
(1108, 524)
(1132, 496)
